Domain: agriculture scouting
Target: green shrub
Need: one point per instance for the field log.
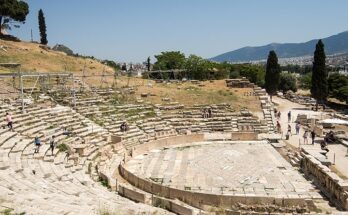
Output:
(62, 147)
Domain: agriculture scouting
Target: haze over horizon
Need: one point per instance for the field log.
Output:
(133, 30)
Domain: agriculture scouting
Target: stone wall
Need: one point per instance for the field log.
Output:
(166, 142)
(337, 187)
(200, 200)
(134, 195)
(244, 136)
(174, 206)
(197, 199)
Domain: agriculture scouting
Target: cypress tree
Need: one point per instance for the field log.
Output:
(42, 27)
(319, 89)
(272, 77)
(148, 64)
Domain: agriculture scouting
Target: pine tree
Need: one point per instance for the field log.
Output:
(319, 89)
(42, 27)
(272, 77)
(11, 12)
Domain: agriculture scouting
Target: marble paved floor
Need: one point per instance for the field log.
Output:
(225, 168)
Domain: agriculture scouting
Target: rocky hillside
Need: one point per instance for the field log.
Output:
(34, 57)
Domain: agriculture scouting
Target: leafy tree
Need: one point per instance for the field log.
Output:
(338, 86)
(12, 11)
(319, 89)
(169, 60)
(197, 67)
(272, 77)
(343, 94)
(234, 74)
(287, 82)
(306, 81)
(254, 73)
(42, 27)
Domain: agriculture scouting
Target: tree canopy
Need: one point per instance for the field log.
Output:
(319, 88)
(272, 77)
(338, 87)
(254, 73)
(287, 82)
(169, 60)
(42, 28)
(194, 67)
(12, 11)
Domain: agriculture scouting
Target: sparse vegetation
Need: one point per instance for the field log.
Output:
(9, 211)
(62, 147)
(104, 182)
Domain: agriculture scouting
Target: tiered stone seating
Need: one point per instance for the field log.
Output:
(55, 184)
(155, 128)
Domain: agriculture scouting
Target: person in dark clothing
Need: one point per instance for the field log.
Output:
(209, 113)
(289, 116)
(289, 129)
(52, 144)
(313, 136)
(323, 146)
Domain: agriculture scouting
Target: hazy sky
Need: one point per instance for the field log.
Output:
(130, 30)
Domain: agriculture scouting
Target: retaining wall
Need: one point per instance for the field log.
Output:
(337, 187)
(166, 142)
(196, 199)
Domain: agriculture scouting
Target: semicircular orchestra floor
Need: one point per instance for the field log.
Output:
(243, 168)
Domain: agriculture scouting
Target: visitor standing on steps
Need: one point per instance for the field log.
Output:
(52, 144)
(305, 137)
(289, 129)
(279, 128)
(297, 128)
(37, 144)
(313, 136)
(9, 121)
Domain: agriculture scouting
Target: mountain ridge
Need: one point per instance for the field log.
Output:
(335, 44)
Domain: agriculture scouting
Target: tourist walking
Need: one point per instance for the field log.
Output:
(52, 144)
(289, 129)
(297, 128)
(8, 119)
(305, 137)
(37, 144)
(279, 128)
(313, 136)
(289, 116)
(279, 115)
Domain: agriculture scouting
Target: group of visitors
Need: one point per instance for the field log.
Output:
(207, 113)
(305, 137)
(124, 127)
(37, 142)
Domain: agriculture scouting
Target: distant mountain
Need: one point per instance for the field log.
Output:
(336, 44)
